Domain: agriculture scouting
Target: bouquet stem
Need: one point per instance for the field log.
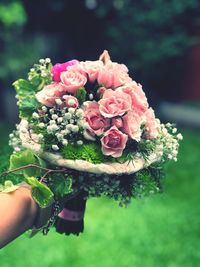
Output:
(71, 219)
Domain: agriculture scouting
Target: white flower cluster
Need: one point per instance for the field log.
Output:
(41, 68)
(14, 140)
(63, 124)
(169, 140)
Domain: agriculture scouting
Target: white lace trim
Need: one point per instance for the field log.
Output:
(30, 141)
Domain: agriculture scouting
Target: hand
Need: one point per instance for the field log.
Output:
(18, 212)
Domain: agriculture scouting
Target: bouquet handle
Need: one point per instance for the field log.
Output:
(71, 218)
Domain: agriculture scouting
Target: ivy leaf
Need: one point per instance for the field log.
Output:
(8, 187)
(61, 185)
(41, 162)
(27, 101)
(23, 86)
(81, 95)
(24, 158)
(36, 81)
(41, 193)
(27, 105)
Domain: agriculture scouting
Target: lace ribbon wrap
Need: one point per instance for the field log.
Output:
(30, 141)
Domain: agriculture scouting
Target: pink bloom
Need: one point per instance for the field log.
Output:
(113, 75)
(113, 142)
(72, 81)
(88, 135)
(92, 69)
(138, 97)
(114, 103)
(132, 123)
(105, 57)
(70, 101)
(101, 91)
(96, 123)
(118, 122)
(48, 95)
(152, 125)
(60, 67)
(78, 68)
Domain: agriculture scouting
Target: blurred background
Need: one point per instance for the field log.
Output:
(159, 41)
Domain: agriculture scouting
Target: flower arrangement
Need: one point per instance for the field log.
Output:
(86, 130)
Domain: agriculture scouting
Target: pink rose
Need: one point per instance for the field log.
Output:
(114, 103)
(118, 122)
(78, 68)
(88, 135)
(101, 91)
(72, 80)
(48, 95)
(113, 75)
(113, 142)
(132, 123)
(96, 123)
(105, 57)
(138, 97)
(92, 69)
(70, 101)
(60, 67)
(152, 125)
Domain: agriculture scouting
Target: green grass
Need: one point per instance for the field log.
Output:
(160, 231)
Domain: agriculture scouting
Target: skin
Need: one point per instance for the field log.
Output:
(18, 212)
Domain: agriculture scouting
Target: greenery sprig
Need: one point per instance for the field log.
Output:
(35, 175)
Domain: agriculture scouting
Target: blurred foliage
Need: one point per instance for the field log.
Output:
(149, 31)
(18, 49)
(8, 14)
(152, 36)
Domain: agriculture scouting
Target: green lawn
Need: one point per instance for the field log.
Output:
(160, 231)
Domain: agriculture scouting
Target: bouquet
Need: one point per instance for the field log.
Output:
(86, 130)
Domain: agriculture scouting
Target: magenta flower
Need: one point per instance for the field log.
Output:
(58, 68)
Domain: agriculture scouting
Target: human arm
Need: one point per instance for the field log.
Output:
(18, 212)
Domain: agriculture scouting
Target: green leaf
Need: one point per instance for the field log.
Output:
(60, 184)
(27, 101)
(41, 193)
(23, 86)
(41, 162)
(8, 187)
(24, 158)
(27, 105)
(36, 81)
(81, 95)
